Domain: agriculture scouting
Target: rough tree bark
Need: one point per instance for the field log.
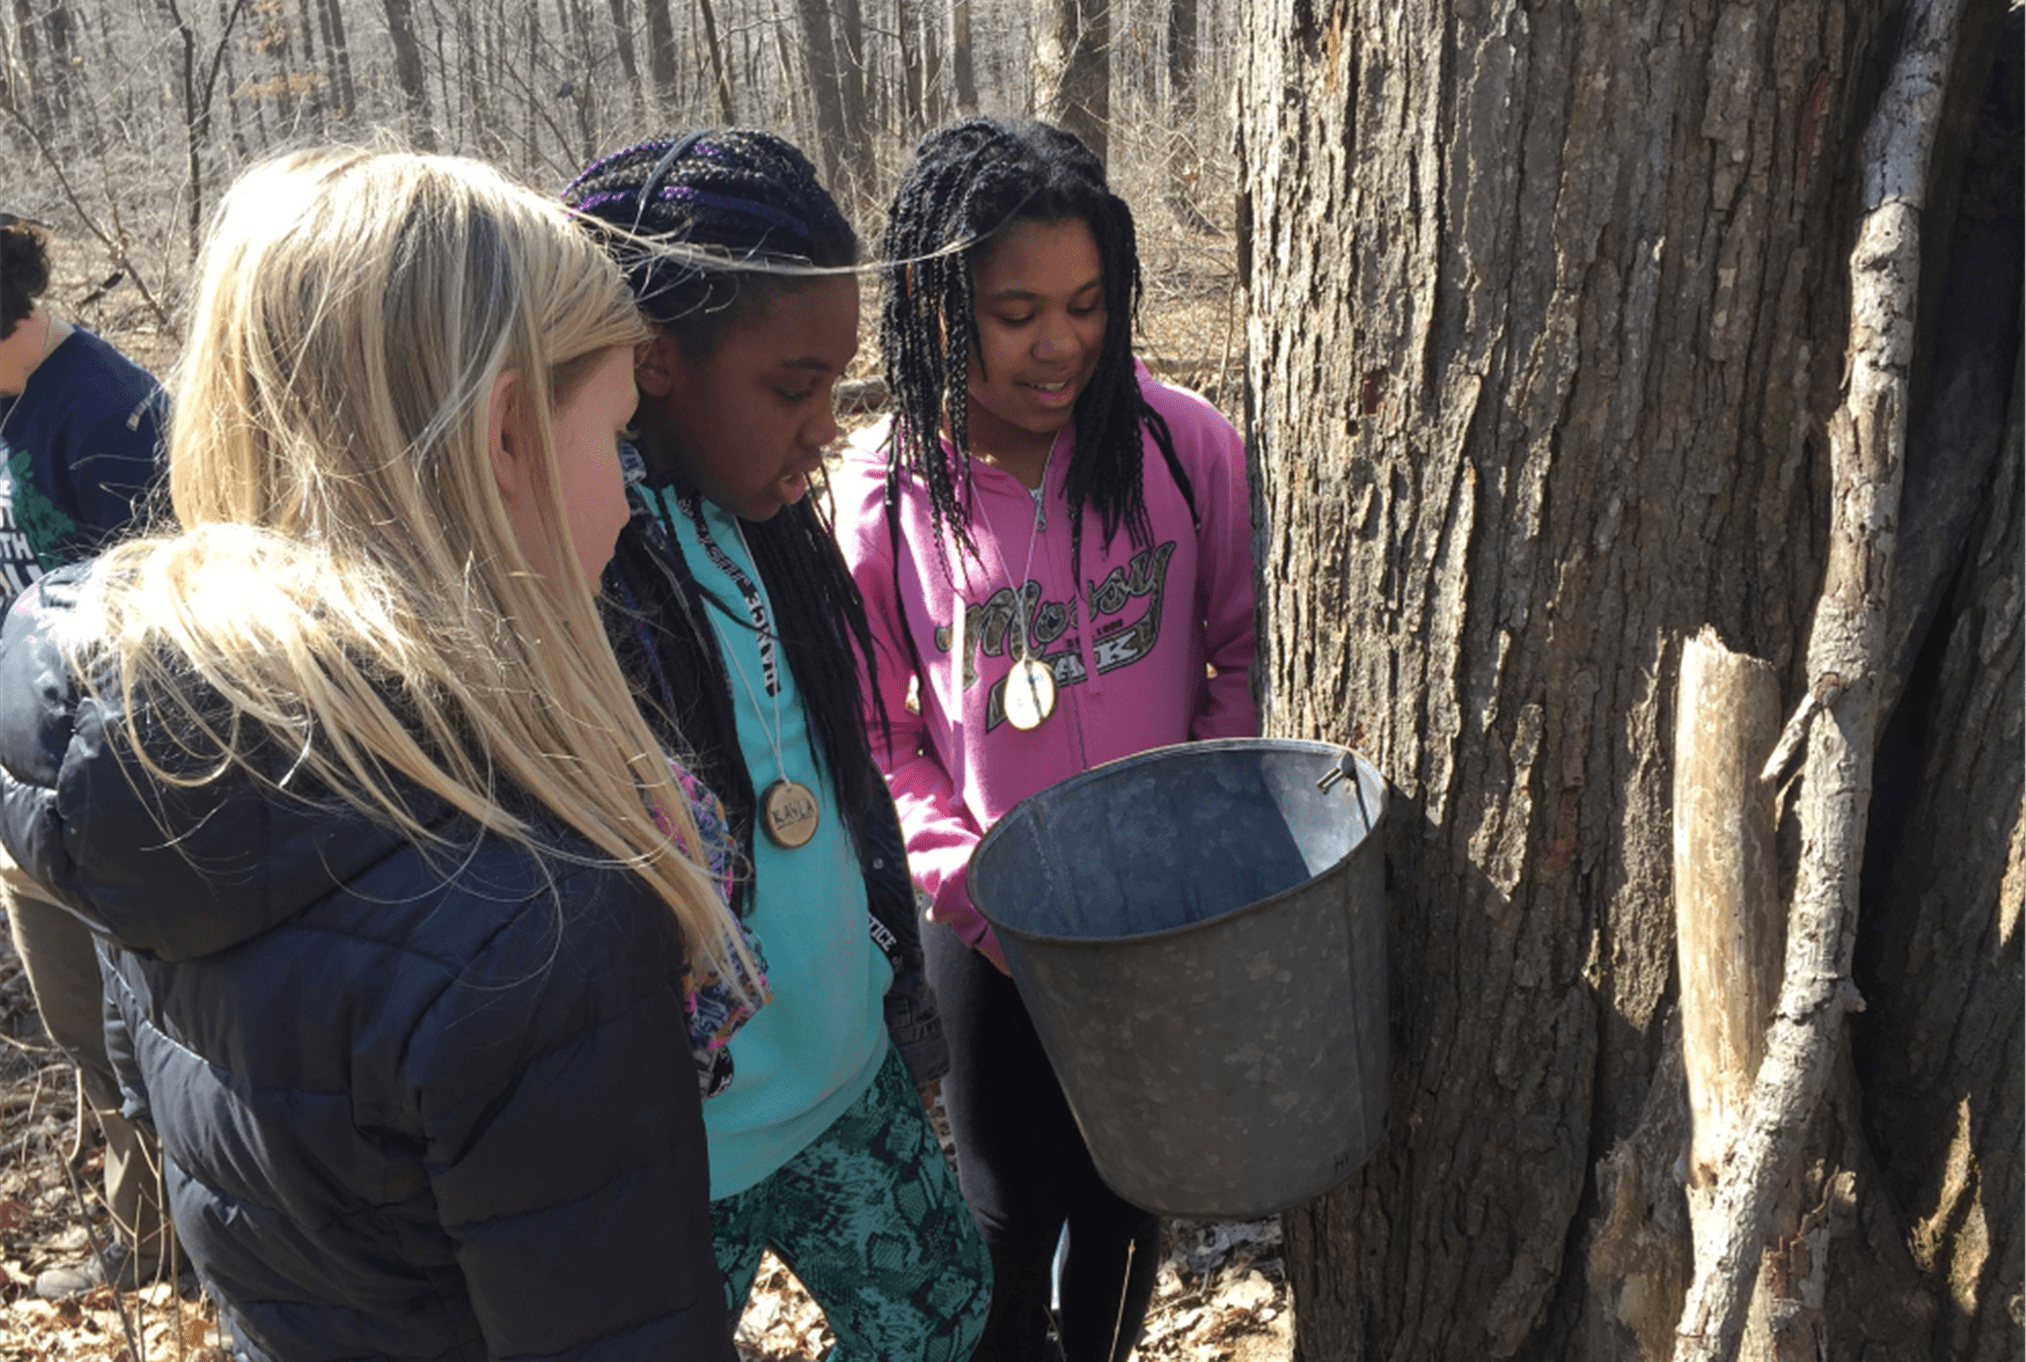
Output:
(1848, 657)
(1071, 67)
(1548, 311)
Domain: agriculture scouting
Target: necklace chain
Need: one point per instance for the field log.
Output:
(756, 607)
(1019, 589)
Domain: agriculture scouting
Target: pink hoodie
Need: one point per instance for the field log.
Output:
(1137, 682)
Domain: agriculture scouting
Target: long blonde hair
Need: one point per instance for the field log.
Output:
(343, 573)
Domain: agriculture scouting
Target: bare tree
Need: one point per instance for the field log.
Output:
(199, 88)
(581, 88)
(821, 50)
(963, 71)
(408, 72)
(1184, 162)
(660, 49)
(29, 71)
(850, 182)
(457, 114)
(1071, 67)
(923, 79)
(64, 79)
(622, 37)
(720, 75)
(1574, 331)
(331, 20)
(313, 83)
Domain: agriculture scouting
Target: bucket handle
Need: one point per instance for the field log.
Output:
(1346, 768)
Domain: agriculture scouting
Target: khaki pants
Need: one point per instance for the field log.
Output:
(61, 961)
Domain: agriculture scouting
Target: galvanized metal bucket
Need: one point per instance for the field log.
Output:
(1199, 934)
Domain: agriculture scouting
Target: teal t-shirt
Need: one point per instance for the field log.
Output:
(810, 1053)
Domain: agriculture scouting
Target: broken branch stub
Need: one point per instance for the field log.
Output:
(1728, 929)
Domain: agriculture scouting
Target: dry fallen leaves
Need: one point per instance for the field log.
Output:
(1221, 1297)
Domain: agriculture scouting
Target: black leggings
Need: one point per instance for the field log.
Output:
(1023, 1167)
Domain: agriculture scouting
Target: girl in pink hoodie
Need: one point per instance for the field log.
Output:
(1055, 555)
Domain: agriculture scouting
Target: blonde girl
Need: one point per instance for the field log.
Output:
(402, 908)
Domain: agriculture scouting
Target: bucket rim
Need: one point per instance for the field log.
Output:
(1297, 745)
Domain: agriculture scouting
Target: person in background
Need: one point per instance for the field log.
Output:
(1055, 553)
(80, 431)
(80, 423)
(413, 935)
(736, 615)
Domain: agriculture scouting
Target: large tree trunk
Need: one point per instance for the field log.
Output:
(1071, 67)
(1549, 306)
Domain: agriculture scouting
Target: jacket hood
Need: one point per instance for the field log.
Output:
(176, 871)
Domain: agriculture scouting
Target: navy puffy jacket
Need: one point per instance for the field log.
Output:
(412, 1106)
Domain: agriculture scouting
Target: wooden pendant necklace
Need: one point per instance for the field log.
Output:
(789, 810)
(1029, 697)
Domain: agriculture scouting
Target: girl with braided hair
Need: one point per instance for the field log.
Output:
(819, 1146)
(1055, 554)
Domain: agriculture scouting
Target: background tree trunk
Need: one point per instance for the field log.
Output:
(922, 76)
(421, 121)
(67, 96)
(1548, 305)
(963, 68)
(720, 76)
(622, 36)
(30, 74)
(316, 87)
(580, 86)
(852, 186)
(821, 51)
(1184, 162)
(455, 115)
(661, 50)
(332, 17)
(1071, 67)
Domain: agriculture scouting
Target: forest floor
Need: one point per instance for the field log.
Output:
(1221, 1295)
